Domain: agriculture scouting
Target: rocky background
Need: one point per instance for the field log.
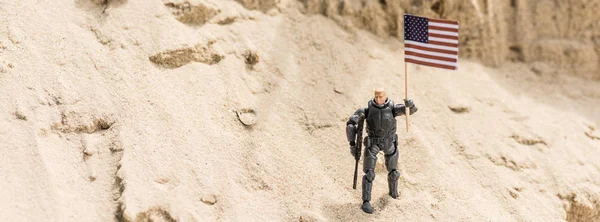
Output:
(548, 35)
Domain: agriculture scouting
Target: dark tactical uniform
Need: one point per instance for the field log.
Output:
(381, 131)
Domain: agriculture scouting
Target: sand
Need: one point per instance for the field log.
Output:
(210, 111)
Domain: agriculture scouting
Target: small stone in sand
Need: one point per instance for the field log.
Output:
(209, 199)
(459, 108)
(247, 116)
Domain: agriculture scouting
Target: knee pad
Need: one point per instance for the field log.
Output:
(394, 175)
(370, 175)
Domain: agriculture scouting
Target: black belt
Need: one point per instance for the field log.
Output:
(380, 139)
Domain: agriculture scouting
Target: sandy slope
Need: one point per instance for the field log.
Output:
(126, 113)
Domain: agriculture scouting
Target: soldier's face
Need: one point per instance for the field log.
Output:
(380, 98)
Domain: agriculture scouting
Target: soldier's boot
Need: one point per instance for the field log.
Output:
(367, 208)
(393, 183)
(367, 184)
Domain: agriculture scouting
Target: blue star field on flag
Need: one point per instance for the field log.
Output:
(416, 28)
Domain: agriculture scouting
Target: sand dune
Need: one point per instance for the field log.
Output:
(236, 111)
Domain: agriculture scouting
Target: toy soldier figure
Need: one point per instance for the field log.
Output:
(381, 130)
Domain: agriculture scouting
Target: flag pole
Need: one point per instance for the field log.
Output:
(406, 111)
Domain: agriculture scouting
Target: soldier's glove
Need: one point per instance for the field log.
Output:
(409, 103)
(353, 148)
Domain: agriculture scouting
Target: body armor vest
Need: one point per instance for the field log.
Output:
(380, 119)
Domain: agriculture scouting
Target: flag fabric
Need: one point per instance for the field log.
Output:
(431, 42)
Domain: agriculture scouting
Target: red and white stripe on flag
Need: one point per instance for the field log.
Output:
(431, 42)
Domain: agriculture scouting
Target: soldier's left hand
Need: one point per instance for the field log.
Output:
(408, 103)
(353, 148)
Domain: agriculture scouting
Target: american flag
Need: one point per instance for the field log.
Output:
(431, 42)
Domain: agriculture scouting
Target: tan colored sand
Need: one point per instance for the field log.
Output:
(116, 110)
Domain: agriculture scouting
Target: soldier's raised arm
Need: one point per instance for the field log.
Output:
(399, 109)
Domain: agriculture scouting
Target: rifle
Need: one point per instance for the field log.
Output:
(359, 130)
